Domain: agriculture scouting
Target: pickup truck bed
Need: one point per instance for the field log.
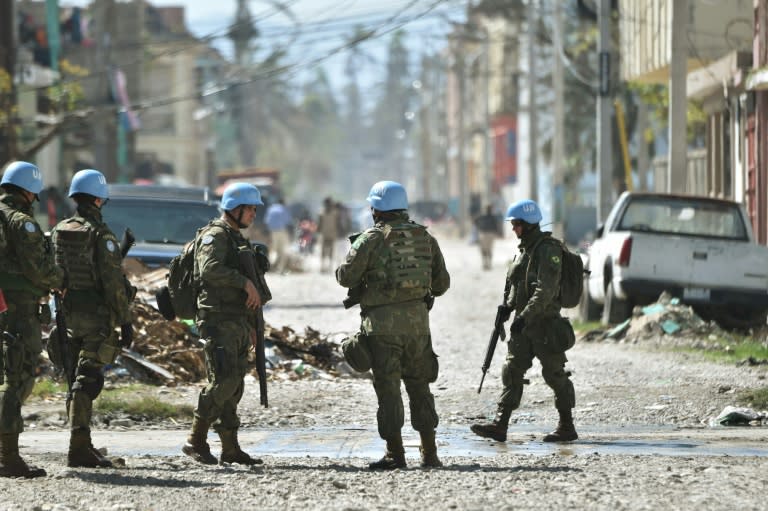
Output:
(698, 249)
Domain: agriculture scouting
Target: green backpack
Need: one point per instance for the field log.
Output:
(572, 276)
(179, 297)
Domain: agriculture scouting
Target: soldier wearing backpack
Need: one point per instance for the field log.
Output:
(97, 301)
(227, 305)
(533, 292)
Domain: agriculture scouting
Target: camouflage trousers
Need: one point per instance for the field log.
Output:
(408, 358)
(20, 358)
(522, 348)
(94, 343)
(227, 340)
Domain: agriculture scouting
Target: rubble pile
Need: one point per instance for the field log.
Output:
(171, 352)
(667, 322)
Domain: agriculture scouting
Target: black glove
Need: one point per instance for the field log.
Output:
(504, 312)
(126, 335)
(430, 301)
(517, 325)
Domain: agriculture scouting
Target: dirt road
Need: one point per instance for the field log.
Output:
(641, 416)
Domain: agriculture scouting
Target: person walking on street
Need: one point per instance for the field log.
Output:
(27, 274)
(279, 222)
(488, 229)
(328, 227)
(227, 305)
(98, 300)
(399, 269)
(532, 292)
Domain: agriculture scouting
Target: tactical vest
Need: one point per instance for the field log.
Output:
(75, 249)
(405, 272)
(11, 276)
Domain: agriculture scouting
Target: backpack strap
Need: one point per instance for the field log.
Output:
(533, 251)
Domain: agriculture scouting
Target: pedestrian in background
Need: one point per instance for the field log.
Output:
(532, 291)
(280, 223)
(328, 227)
(396, 293)
(227, 304)
(488, 229)
(27, 274)
(98, 300)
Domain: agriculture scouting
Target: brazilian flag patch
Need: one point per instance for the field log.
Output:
(556, 259)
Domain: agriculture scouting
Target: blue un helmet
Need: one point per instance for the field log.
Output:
(238, 194)
(91, 182)
(388, 196)
(24, 175)
(526, 210)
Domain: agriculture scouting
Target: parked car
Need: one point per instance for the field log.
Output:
(162, 218)
(699, 249)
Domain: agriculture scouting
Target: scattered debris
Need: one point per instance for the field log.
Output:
(736, 416)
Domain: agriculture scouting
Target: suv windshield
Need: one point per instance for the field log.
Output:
(158, 221)
(705, 218)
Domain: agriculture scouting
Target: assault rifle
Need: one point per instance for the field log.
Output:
(65, 353)
(127, 242)
(353, 293)
(498, 331)
(248, 266)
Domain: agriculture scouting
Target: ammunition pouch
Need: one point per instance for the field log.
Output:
(44, 314)
(353, 296)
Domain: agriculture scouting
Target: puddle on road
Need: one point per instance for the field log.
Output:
(455, 441)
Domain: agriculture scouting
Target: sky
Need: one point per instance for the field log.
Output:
(321, 27)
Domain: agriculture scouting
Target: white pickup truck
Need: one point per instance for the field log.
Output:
(698, 249)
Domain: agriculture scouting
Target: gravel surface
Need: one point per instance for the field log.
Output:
(627, 396)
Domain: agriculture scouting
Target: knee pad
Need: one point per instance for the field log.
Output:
(90, 381)
(512, 375)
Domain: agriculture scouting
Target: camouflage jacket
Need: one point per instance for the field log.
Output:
(217, 270)
(405, 312)
(111, 287)
(534, 290)
(26, 260)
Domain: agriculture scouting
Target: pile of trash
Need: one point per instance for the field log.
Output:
(171, 352)
(667, 322)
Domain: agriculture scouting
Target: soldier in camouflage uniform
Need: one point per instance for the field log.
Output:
(399, 268)
(97, 302)
(227, 303)
(27, 274)
(538, 330)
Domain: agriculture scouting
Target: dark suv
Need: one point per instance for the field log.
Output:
(162, 218)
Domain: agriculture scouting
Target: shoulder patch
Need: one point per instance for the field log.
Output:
(29, 226)
(207, 239)
(110, 245)
(555, 259)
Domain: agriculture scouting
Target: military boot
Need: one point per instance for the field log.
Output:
(393, 458)
(82, 453)
(197, 444)
(497, 430)
(566, 431)
(428, 450)
(231, 451)
(11, 464)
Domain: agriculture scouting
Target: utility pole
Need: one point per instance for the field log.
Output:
(532, 120)
(463, 185)
(604, 138)
(558, 153)
(642, 146)
(427, 91)
(8, 149)
(105, 119)
(678, 102)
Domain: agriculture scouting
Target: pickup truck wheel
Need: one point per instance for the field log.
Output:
(589, 310)
(615, 310)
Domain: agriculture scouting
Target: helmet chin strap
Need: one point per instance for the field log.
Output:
(239, 219)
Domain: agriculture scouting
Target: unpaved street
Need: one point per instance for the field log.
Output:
(641, 415)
